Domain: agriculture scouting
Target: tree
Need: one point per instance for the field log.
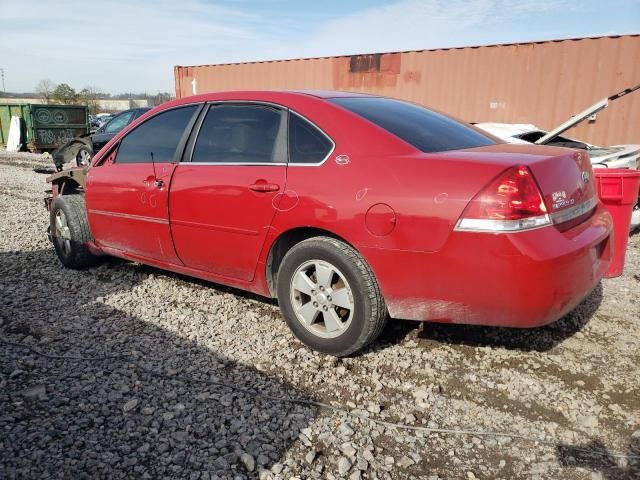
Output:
(64, 94)
(89, 97)
(45, 89)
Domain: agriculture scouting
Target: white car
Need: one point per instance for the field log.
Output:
(615, 156)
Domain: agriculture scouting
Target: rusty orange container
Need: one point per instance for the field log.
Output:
(543, 83)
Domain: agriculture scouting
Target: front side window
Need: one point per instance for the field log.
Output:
(307, 144)
(239, 134)
(157, 138)
(118, 123)
(422, 128)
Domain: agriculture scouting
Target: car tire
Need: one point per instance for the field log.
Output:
(70, 232)
(330, 297)
(83, 157)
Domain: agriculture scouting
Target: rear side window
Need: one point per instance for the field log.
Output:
(239, 134)
(157, 138)
(307, 144)
(425, 129)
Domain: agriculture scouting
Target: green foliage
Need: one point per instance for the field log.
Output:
(64, 94)
(89, 96)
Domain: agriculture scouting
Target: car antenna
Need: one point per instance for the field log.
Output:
(156, 182)
(153, 164)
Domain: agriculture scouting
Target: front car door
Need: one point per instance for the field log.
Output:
(223, 200)
(127, 193)
(110, 129)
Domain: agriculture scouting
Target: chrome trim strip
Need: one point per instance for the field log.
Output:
(574, 212)
(525, 224)
(502, 226)
(130, 216)
(262, 164)
(206, 226)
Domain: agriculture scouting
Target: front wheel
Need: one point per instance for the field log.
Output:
(329, 296)
(70, 232)
(83, 157)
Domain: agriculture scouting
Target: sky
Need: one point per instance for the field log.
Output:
(132, 45)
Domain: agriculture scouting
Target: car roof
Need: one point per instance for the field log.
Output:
(329, 93)
(262, 95)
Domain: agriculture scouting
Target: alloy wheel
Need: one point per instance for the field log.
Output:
(322, 298)
(63, 233)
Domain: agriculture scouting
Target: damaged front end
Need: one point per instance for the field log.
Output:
(76, 152)
(72, 180)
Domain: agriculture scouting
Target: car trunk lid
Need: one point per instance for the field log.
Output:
(564, 176)
(567, 184)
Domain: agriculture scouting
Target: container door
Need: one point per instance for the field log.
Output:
(55, 125)
(127, 195)
(223, 201)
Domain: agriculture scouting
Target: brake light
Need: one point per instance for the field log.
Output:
(511, 202)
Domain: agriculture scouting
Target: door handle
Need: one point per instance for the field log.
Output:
(264, 187)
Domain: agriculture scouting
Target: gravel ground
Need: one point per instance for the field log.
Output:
(152, 395)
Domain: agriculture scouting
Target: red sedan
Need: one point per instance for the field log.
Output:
(347, 208)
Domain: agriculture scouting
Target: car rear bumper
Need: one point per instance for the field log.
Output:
(525, 279)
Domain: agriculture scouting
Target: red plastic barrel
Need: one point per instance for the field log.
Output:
(618, 190)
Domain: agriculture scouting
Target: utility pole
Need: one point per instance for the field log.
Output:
(2, 74)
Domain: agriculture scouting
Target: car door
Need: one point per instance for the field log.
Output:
(127, 193)
(223, 200)
(110, 129)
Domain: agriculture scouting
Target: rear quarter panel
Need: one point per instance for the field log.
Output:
(426, 193)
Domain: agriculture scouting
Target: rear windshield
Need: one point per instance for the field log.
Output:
(425, 129)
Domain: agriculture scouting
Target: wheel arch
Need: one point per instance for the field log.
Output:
(67, 186)
(284, 242)
(66, 182)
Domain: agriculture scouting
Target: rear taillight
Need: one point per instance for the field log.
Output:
(512, 202)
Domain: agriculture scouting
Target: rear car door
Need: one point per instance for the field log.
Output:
(224, 197)
(127, 194)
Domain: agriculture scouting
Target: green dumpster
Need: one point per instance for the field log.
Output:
(44, 127)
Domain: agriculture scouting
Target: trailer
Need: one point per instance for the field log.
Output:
(44, 127)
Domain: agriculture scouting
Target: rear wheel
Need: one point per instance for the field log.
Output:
(70, 232)
(329, 296)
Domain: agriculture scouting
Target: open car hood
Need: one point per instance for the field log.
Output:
(582, 116)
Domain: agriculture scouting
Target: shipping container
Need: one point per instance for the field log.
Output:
(44, 127)
(543, 83)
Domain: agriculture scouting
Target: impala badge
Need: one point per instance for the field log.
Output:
(585, 176)
(560, 199)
